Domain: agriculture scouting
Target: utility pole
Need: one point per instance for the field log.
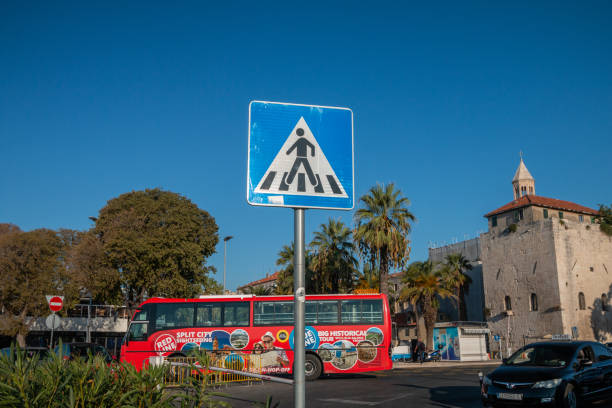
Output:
(225, 258)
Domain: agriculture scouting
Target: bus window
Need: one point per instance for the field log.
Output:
(138, 331)
(174, 315)
(351, 311)
(267, 313)
(283, 313)
(371, 311)
(328, 312)
(311, 312)
(141, 314)
(263, 313)
(208, 315)
(236, 314)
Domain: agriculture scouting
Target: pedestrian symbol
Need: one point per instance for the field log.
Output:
(300, 156)
(301, 168)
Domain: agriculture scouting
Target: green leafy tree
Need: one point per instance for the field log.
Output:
(86, 261)
(7, 228)
(158, 242)
(211, 286)
(605, 219)
(333, 261)
(382, 229)
(424, 284)
(457, 278)
(32, 266)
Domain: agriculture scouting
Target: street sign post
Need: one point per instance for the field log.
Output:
(300, 156)
(52, 321)
(55, 304)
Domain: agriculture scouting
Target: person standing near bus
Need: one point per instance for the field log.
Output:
(421, 351)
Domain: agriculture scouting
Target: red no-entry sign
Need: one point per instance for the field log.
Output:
(55, 303)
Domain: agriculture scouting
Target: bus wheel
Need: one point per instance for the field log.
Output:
(312, 367)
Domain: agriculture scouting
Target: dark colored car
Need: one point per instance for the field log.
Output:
(41, 352)
(83, 350)
(555, 374)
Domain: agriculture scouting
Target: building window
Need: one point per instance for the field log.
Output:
(560, 215)
(545, 213)
(518, 215)
(534, 302)
(494, 221)
(581, 218)
(530, 190)
(581, 301)
(508, 303)
(604, 302)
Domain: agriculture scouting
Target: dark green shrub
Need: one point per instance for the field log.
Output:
(55, 382)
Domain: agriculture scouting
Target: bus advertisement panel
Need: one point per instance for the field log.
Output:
(344, 333)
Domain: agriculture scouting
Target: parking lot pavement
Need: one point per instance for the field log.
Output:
(431, 364)
(429, 386)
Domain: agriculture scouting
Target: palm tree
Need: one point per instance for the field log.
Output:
(333, 260)
(284, 285)
(382, 228)
(425, 283)
(457, 279)
(368, 279)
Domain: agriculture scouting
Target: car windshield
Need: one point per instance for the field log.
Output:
(544, 355)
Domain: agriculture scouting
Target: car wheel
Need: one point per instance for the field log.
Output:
(312, 367)
(569, 397)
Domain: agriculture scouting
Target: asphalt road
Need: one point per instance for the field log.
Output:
(413, 387)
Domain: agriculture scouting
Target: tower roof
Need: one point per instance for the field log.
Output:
(522, 173)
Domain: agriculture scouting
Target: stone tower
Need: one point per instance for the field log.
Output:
(523, 183)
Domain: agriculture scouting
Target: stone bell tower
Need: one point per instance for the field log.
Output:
(523, 183)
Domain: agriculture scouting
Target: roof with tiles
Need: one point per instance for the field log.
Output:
(270, 278)
(529, 200)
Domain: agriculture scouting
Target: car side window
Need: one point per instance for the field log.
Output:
(603, 353)
(586, 354)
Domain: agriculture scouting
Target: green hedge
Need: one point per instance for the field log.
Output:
(55, 382)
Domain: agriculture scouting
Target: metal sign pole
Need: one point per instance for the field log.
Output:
(299, 389)
(52, 329)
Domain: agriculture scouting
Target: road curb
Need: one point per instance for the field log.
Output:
(443, 364)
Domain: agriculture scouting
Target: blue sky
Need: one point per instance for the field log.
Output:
(101, 98)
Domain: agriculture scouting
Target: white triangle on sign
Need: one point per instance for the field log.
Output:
(301, 168)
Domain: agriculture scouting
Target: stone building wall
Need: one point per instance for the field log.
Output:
(534, 213)
(517, 264)
(554, 260)
(474, 298)
(584, 265)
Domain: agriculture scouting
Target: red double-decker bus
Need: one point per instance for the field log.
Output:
(344, 333)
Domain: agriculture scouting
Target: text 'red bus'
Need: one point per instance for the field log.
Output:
(344, 333)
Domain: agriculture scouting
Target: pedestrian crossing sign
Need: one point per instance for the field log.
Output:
(300, 156)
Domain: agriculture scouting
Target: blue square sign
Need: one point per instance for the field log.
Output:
(300, 156)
